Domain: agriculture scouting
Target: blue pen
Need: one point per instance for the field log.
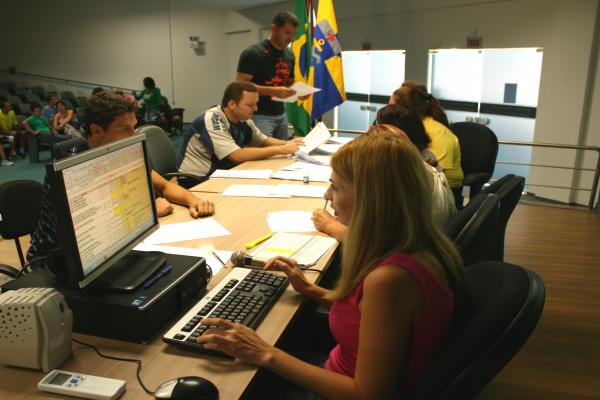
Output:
(163, 271)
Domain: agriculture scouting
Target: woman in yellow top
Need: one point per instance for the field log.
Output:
(444, 144)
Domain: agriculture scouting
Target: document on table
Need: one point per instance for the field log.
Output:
(301, 89)
(302, 190)
(297, 170)
(327, 148)
(284, 191)
(242, 173)
(253, 191)
(198, 229)
(313, 159)
(316, 137)
(216, 259)
(291, 221)
(340, 139)
(306, 249)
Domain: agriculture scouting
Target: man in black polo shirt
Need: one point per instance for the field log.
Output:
(270, 66)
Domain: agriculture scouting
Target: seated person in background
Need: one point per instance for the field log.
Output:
(444, 144)
(409, 123)
(392, 305)
(50, 109)
(9, 132)
(225, 135)
(65, 120)
(110, 117)
(36, 125)
(442, 201)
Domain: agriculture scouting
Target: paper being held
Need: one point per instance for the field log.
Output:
(301, 89)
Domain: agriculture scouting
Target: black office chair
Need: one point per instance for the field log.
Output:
(40, 91)
(163, 159)
(509, 189)
(475, 240)
(478, 149)
(502, 306)
(20, 205)
(456, 223)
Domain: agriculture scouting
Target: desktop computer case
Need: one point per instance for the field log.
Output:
(139, 316)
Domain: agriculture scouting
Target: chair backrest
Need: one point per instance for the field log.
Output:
(69, 147)
(502, 306)
(478, 147)
(67, 94)
(11, 86)
(4, 93)
(20, 204)
(160, 150)
(14, 100)
(39, 90)
(509, 192)
(33, 98)
(458, 221)
(475, 240)
(25, 108)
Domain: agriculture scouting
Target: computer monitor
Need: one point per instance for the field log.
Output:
(104, 204)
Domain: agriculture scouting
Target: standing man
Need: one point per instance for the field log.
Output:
(270, 66)
(225, 135)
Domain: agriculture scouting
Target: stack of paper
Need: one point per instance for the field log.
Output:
(306, 249)
(297, 171)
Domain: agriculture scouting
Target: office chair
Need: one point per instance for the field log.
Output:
(502, 305)
(163, 159)
(456, 224)
(478, 149)
(40, 91)
(20, 206)
(475, 240)
(509, 189)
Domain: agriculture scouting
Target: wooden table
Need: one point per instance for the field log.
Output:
(245, 218)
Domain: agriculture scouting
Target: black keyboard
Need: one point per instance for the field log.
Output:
(243, 296)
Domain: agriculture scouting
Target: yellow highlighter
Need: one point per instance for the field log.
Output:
(256, 242)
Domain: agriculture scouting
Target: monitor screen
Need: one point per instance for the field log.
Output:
(104, 202)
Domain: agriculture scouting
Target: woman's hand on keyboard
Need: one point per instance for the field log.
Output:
(292, 270)
(237, 340)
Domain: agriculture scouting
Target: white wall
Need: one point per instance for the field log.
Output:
(117, 43)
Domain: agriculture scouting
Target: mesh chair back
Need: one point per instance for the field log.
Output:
(160, 150)
(503, 304)
(33, 98)
(67, 94)
(478, 148)
(25, 109)
(40, 91)
(5, 93)
(11, 86)
(474, 242)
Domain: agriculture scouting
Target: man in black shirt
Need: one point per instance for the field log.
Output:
(270, 66)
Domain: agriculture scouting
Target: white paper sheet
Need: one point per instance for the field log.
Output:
(340, 139)
(302, 190)
(215, 264)
(314, 159)
(291, 221)
(326, 148)
(306, 249)
(242, 173)
(253, 191)
(297, 170)
(301, 89)
(317, 136)
(198, 229)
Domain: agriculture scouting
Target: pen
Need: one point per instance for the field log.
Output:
(214, 253)
(163, 271)
(326, 203)
(261, 239)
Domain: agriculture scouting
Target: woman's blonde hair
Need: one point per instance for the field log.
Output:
(392, 208)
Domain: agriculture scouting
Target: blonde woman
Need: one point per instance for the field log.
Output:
(393, 303)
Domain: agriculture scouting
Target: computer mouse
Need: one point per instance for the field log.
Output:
(187, 388)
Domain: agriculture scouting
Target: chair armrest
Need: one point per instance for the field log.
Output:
(8, 270)
(186, 180)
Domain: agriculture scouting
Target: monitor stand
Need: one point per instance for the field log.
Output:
(127, 274)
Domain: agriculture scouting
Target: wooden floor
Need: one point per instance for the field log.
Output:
(562, 358)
